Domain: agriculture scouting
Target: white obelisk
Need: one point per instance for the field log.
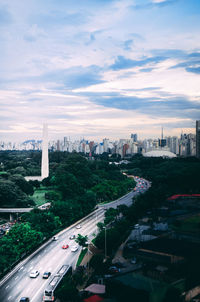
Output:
(45, 157)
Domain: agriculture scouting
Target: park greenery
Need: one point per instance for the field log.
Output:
(74, 187)
(167, 176)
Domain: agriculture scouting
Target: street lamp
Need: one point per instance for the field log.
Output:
(88, 257)
(96, 223)
(105, 243)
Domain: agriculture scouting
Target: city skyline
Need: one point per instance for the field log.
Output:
(99, 68)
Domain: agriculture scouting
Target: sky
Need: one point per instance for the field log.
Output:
(99, 68)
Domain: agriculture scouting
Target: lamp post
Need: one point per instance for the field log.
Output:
(96, 223)
(88, 258)
(105, 244)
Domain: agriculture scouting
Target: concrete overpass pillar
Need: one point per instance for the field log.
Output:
(11, 217)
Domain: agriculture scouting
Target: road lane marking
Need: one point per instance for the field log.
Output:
(7, 286)
(16, 278)
(21, 268)
(9, 297)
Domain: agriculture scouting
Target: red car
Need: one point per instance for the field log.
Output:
(65, 246)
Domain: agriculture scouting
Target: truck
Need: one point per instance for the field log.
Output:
(50, 290)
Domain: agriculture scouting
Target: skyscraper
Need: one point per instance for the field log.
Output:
(198, 139)
(45, 158)
(134, 137)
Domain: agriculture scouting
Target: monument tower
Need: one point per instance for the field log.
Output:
(45, 157)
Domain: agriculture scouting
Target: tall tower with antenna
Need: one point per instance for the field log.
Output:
(45, 156)
(162, 141)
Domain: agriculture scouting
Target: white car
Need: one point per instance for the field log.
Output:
(55, 238)
(34, 274)
(78, 226)
(74, 248)
(133, 261)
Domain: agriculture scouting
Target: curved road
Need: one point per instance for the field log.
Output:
(51, 256)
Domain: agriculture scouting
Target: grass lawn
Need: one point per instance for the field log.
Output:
(39, 195)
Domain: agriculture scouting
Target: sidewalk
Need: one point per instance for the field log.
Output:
(93, 250)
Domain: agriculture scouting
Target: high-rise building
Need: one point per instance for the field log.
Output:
(134, 137)
(162, 141)
(198, 139)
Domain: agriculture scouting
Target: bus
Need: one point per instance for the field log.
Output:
(49, 292)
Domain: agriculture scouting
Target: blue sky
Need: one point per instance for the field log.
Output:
(99, 68)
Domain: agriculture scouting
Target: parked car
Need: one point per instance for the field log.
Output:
(74, 248)
(65, 246)
(113, 270)
(134, 260)
(78, 226)
(24, 299)
(34, 274)
(46, 275)
(72, 237)
(119, 264)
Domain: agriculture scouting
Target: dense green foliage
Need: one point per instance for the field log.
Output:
(74, 187)
(20, 240)
(168, 177)
(14, 190)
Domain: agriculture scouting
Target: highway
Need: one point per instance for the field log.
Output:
(51, 257)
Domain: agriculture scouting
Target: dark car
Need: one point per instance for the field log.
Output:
(46, 275)
(119, 265)
(113, 270)
(24, 299)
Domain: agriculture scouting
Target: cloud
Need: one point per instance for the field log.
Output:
(71, 78)
(190, 62)
(128, 44)
(34, 33)
(124, 63)
(153, 3)
(99, 67)
(75, 77)
(155, 106)
(57, 18)
(146, 69)
(5, 16)
(193, 69)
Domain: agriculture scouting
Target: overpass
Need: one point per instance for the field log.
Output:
(15, 211)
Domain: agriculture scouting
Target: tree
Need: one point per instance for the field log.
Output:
(67, 183)
(100, 226)
(43, 221)
(82, 240)
(68, 292)
(20, 181)
(110, 215)
(64, 211)
(11, 195)
(20, 239)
